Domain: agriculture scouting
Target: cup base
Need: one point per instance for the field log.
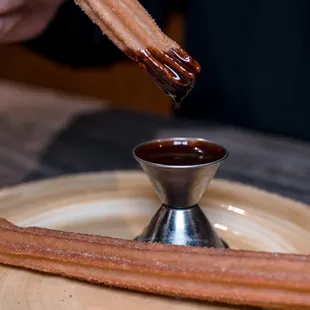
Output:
(186, 226)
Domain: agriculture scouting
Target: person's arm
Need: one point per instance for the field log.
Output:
(73, 39)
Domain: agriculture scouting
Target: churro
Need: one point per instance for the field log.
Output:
(130, 27)
(226, 276)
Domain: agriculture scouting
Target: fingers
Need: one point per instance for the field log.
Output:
(11, 12)
(23, 24)
(22, 20)
(8, 7)
(7, 24)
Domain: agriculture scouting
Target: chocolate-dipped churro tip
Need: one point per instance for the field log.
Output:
(173, 71)
(130, 27)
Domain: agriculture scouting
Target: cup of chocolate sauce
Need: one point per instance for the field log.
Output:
(180, 170)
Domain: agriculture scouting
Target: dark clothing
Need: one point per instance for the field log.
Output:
(255, 58)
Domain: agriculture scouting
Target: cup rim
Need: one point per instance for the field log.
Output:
(149, 163)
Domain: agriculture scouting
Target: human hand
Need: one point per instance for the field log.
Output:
(22, 20)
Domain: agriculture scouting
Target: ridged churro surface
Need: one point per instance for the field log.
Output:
(132, 29)
(231, 277)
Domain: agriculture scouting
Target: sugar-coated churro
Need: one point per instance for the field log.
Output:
(131, 28)
(227, 276)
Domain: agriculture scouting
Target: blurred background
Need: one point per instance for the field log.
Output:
(252, 97)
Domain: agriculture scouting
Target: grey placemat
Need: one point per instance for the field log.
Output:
(45, 134)
(30, 119)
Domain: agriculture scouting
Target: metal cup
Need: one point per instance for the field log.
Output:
(180, 220)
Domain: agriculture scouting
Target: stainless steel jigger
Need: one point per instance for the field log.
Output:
(180, 220)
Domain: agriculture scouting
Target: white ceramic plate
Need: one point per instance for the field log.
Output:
(120, 204)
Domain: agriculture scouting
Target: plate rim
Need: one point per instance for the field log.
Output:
(217, 182)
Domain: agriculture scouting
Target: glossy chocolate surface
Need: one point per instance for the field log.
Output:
(180, 152)
(174, 72)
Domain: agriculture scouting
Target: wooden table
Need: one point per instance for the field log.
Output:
(45, 134)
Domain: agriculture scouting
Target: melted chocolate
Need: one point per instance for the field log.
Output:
(174, 72)
(180, 152)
